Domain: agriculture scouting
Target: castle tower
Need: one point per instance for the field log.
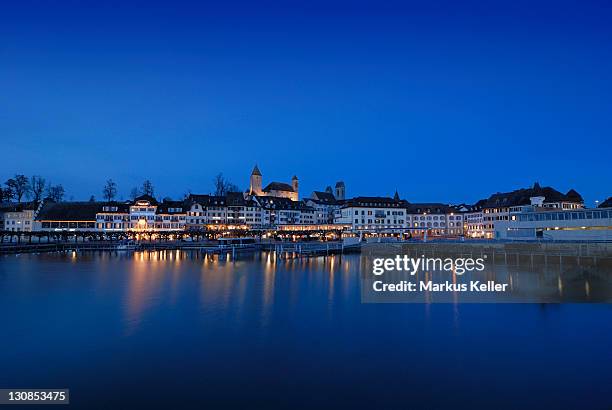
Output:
(295, 186)
(255, 183)
(340, 190)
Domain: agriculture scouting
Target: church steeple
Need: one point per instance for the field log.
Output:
(396, 196)
(255, 182)
(256, 171)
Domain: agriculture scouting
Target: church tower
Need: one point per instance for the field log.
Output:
(295, 186)
(340, 190)
(255, 183)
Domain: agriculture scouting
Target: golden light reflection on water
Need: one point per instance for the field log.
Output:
(225, 284)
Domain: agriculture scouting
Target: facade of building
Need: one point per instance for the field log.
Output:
(325, 206)
(540, 223)
(435, 220)
(278, 211)
(232, 210)
(19, 217)
(373, 214)
(67, 216)
(143, 214)
(499, 207)
(473, 224)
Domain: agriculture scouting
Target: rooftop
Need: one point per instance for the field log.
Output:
(522, 196)
(278, 186)
(69, 211)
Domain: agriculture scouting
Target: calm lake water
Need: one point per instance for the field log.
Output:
(177, 330)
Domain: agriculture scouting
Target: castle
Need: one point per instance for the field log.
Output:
(274, 189)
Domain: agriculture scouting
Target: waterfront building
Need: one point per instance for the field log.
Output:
(216, 212)
(67, 216)
(434, 219)
(205, 211)
(19, 217)
(473, 220)
(273, 189)
(373, 214)
(544, 223)
(279, 211)
(170, 216)
(243, 211)
(113, 217)
(499, 207)
(325, 205)
(143, 214)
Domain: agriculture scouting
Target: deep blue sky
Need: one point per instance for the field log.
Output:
(447, 101)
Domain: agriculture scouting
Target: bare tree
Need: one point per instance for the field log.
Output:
(5, 194)
(223, 186)
(37, 187)
(19, 186)
(231, 187)
(110, 190)
(219, 184)
(147, 188)
(56, 192)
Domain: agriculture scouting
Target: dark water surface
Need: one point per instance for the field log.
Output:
(177, 330)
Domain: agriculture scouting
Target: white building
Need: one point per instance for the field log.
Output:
(499, 207)
(435, 220)
(373, 214)
(144, 214)
(230, 211)
(278, 211)
(325, 206)
(19, 217)
(540, 223)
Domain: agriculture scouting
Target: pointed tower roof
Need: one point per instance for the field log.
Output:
(256, 171)
(396, 196)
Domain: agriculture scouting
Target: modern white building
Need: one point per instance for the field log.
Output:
(500, 206)
(539, 223)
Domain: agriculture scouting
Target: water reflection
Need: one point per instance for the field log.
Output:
(212, 324)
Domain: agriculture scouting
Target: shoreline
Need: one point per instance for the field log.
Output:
(515, 253)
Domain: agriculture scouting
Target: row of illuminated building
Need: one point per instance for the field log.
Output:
(522, 213)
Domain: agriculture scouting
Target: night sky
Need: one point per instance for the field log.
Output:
(447, 101)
